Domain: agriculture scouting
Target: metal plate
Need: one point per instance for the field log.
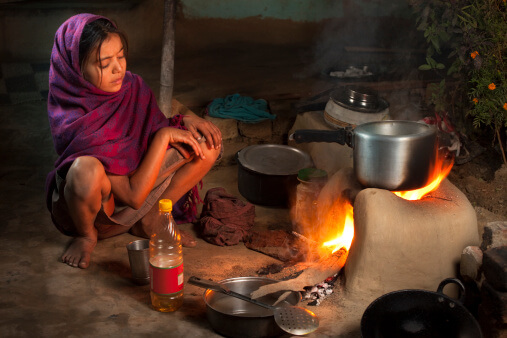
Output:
(274, 159)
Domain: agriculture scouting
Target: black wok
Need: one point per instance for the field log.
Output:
(419, 313)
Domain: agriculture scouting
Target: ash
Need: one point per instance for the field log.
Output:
(317, 293)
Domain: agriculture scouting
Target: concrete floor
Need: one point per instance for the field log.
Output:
(41, 297)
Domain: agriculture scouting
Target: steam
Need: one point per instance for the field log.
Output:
(383, 38)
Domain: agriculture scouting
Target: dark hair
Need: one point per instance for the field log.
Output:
(94, 34)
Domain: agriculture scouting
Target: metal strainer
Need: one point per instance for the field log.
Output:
(292, 319)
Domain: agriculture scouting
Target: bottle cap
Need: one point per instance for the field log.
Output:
(165, 205)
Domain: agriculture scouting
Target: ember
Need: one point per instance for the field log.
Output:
(317, 293)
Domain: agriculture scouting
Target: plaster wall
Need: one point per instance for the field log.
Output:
(27, 31)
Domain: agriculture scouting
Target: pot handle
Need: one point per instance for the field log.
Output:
(207, 284)
(341, 136)
(456, 281)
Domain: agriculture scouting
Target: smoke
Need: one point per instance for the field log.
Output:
(387, 42)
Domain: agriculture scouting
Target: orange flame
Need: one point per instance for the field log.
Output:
(343, 210)
(442, 169)
(344, 238)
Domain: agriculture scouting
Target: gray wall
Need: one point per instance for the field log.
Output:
(26, 33)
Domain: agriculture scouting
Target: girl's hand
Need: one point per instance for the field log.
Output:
(178, 138)
(200, 127)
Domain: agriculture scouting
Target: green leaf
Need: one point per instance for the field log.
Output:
(430, 61)
(436, 44)
(424, 67)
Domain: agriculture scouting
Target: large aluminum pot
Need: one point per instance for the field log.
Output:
(233, 317)
(392, 155)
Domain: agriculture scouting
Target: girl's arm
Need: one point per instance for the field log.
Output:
(132, 190)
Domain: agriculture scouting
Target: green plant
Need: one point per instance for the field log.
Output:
(474, 34)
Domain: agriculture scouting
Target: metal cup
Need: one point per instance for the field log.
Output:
(139, 257)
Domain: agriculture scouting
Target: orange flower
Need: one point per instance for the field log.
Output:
(476, 100)
(474, 54)
(491, 86)
(505, 106)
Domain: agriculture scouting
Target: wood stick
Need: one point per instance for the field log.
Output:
(315, 274)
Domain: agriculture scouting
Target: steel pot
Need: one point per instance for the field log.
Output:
(420, 313)
(355, 105)
(234, 317)
(392, 155)
(267, 173)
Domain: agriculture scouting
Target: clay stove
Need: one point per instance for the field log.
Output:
(401, 244)
(398, 244)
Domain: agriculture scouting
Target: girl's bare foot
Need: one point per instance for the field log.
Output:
(78, 252)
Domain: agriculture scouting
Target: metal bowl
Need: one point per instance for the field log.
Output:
(362, 97)
(233, 317)
(359, 99)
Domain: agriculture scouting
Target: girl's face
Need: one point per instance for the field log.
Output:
(106, 73)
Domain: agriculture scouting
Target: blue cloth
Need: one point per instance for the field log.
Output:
(241, 108)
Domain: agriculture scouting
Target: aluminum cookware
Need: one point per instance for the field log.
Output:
(234, 317)
(267, 173)
(354, 105)
(392, 155)
(291, 319)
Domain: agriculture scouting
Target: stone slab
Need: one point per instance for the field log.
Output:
(494, 265)
(228, 127)
(495, 235)
(260, 130)
(471, 262)
(492, 311)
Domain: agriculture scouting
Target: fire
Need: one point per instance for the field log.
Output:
(344, 239)
(343, 210)
(442, 169)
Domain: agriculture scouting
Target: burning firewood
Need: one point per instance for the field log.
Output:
(314, 274)
(288, 247)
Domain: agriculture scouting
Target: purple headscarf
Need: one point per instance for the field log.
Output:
(115, 127)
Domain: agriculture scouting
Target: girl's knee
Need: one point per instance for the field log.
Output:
(85, 176)
(212, 155)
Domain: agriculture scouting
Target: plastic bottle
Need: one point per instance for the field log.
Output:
(166, 262)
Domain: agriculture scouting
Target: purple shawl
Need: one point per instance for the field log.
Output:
(115, 128)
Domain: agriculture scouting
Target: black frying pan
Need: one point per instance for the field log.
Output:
(419, 313)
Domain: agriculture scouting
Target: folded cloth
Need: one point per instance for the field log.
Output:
(241, 108)
(225, 219)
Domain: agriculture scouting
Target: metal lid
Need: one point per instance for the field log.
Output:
(360, 99)
(274, 159)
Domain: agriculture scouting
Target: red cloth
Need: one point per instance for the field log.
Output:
(225, 219)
